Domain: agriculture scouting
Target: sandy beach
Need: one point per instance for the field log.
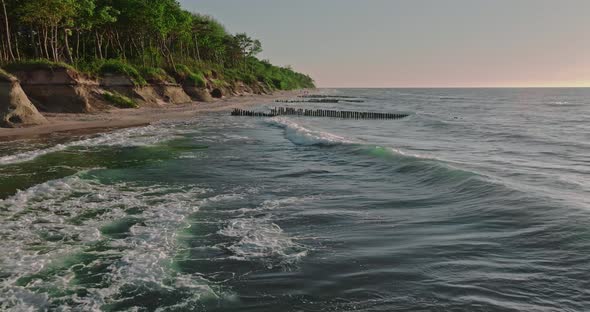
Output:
(125, 118)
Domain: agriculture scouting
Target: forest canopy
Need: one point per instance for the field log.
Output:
(145, 34)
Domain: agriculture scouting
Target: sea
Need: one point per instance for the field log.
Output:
(479, 200)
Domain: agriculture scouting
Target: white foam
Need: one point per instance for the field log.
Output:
(143, 257)
(258, 238)
(273, 204)
(415, 155)
(145, 254)
(301, 135)
(142, 136)
(261, 240)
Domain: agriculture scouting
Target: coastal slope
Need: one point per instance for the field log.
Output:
(102, 56)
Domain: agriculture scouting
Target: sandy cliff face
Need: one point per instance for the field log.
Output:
(16, 110)
(61, 90)
(152, 95)
(143, 95)
(197, 94)
(64, 90)
(172, 93)
(239, 88)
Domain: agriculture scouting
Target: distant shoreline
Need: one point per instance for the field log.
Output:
(127, 118)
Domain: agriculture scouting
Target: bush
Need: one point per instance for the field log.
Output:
(155, 75)
(188, 76)
(122, 68)
(120, 100)
(39, 64)
(218, 83)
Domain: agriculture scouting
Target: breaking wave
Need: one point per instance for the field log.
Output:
(142, 136)
(75, 233)
(304, 136)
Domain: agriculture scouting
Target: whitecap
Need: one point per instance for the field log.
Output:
(259, 239)
(301, 135)
(74, 210)
(142, 136)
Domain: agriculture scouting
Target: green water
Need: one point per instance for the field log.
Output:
(476, 202)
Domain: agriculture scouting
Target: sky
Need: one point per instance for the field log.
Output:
(418, 43)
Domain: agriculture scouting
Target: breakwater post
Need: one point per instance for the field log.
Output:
(321, 100)
(242, 112)
(290, 111)
(331, 101)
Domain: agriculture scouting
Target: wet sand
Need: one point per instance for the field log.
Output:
(125, 118)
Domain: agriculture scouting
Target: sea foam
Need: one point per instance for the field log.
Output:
(301, 135)
(142, 136)
(50, 229)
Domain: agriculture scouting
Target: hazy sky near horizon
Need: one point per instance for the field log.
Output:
(418, 43)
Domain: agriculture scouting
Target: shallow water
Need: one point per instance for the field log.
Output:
(479, 201)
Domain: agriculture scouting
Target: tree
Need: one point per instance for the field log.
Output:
(48, 16)
(7, 28)
(150, 33)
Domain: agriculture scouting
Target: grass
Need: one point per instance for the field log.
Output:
(218, 83)
(155, 75)
(120, 100)
(196, 79)
(194, 73)
(122, 68)
(39, 64)
(4, 76)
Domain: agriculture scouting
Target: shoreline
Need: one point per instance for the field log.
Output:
(112, 119)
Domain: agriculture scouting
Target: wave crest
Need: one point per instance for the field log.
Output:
(142, 136)
(300, 135)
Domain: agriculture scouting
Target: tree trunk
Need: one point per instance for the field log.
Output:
(140, 49)
(3, 52)
(106, 48)
(9, 44)
(77, 44)
(52, 44)
(68, 51)
(120, 45)
(16, 47)
(56, 43)
(45, 39)
(33, 43)
(165, 51)
(198, 52)
(99, 45)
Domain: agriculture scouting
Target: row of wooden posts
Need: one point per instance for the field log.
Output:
(243, 112)
(320, 96)
(320, 101)
(289, 111)
(309, 101)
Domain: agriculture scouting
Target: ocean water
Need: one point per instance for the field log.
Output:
(479, 201)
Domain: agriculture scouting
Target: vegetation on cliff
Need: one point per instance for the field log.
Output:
(4, 76)
(119, 100)
(144, 39)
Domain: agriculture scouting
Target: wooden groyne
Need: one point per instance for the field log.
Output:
(321, 96)
(290, 111)
(309, 101)
(243, 112)
(328, 100)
